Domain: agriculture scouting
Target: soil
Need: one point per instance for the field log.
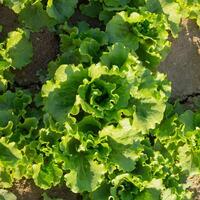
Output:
(9, 21)
(45, 48)
(195, 186)
(182, 65)
(26, 190)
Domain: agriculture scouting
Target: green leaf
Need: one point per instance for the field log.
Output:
(149, 108)
(89, 123)
(189, 159)
(84, 175)
(6, 130)
(4, 64)
(89, 49)
(116, 3)
(117, 55)
(4, 61)
(12, 108)
(61, 96)
(154, 6)
(61, 10)
(172, 10)
(168, 195)
(124, 156)
(187, 118)
(123, 133)
(118, 30)
(19, 49)
(16, 5)
(3, 84)
(9, 153)
(125, 145)
(102, 193)
(147, 115)
(16, 101)
(47, 175)
(167, 128)
(144, 33)
(126, 187)
(34, 13)
(149, 194)
(29, 124)
(6, 178)
(5, 117)
(91, 9)
(97, 96)
(96, 34)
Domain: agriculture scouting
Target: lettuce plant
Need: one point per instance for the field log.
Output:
(108, 93)
(144, 33)
(102, 112)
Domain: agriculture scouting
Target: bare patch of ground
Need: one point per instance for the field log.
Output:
(26, 190)
(64, 193)
(45, 48)
(182, 65)
(195, 186)
(8, 19)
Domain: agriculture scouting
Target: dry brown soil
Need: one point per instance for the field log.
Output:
(26, 190)
(182, 65)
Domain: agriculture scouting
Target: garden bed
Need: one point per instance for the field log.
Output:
(182, 66)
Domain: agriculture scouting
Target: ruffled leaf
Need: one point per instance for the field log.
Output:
(33, 13)
(63, 95)
(47, 175)
(19, 50)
